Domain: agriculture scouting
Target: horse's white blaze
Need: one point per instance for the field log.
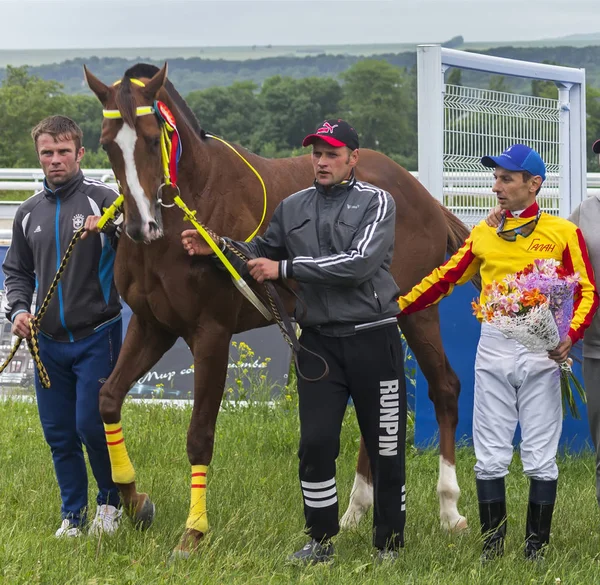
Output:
(361, 499)
(448, 492)
(126, 139)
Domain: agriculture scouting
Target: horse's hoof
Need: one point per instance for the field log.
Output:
(461, 525)
(143, 516)
(179, 555)
(189, 543)
(455, 526)
(351, 519)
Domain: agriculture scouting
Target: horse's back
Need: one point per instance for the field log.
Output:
(421, 229)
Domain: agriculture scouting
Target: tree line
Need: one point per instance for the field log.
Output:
(189, 74)
(271, 119)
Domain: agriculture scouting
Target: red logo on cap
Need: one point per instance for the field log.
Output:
(327, 128)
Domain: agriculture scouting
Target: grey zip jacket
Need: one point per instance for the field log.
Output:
(86, 298)
(337, 243)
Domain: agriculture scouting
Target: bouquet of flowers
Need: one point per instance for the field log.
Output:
(535, 307)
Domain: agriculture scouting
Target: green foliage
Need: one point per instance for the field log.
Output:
(592, 126)
(376, 96)
(25, 100)
(380, 101)
(293, 107)
(233, 112)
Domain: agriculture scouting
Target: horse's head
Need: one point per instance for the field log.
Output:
(131, 136)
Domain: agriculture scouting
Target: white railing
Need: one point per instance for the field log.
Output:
(31, 179)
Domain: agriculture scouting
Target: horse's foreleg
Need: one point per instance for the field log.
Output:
(422, 332)
(143, 346)
(210, 347)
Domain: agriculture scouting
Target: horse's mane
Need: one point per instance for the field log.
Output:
(147, 70)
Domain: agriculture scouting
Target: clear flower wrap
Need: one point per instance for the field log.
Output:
(535, 307)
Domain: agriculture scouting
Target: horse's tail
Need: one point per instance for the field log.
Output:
(458, 232)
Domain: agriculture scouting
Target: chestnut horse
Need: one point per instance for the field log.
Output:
(174, 295)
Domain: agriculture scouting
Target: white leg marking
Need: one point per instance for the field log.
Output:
(449, 492)
(361, 499)
(126, 139)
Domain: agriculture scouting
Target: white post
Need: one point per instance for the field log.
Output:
(578, 143)
(564, 152)
(430, 92)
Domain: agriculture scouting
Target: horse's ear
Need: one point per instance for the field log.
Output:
(154, 85)
(102, 91)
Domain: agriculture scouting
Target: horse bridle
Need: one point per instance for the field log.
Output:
(171, 150)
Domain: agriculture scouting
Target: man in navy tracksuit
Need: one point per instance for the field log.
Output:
(336, 239)
(80, 333)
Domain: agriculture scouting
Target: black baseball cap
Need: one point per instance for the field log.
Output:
(335, 132)
(596, 147)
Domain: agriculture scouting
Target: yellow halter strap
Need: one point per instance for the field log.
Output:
(140, 111)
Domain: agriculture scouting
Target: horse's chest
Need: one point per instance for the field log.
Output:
(149, 286)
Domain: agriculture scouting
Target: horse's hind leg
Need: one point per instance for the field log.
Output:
(143, 346)
(422, 332)
(361, 496)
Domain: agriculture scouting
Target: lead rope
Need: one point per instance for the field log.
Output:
(280, 315)
(34, 323)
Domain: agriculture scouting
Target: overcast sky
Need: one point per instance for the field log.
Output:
(38, 24)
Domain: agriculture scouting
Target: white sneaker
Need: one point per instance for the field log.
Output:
(67, 530)
(106, 521)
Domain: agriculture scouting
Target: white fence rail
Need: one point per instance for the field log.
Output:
(454, 190)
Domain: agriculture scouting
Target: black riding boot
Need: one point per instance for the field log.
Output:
(492, 514)
(542, 495)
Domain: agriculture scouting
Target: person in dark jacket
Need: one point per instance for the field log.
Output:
(80, 333)
(336, 239)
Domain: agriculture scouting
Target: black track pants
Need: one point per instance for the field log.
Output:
(369, 367)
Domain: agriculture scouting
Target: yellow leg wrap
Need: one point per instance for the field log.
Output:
(122, 469)
(198, 519)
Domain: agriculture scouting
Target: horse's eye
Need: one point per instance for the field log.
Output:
(153, 142)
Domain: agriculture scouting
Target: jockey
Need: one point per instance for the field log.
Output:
(512, 384)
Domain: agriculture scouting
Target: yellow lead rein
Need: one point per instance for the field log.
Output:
(110, 212)
(239, 282)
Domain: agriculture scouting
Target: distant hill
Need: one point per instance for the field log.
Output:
(194, 72)
(586, 37)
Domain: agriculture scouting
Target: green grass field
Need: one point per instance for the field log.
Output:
(255, 511)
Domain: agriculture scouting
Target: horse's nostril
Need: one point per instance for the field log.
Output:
(152, 226)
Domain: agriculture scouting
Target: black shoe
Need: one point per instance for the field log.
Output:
(313, 552)
(542, 495)
(386, 556)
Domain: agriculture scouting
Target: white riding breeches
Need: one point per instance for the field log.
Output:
(514, 385)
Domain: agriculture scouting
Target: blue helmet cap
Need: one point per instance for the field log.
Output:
(518, 158)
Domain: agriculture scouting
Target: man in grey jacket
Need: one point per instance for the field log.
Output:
(336, 239)
(80, 333)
